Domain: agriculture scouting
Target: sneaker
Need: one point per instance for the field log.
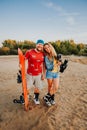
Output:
(52, 102)
(36, 101)
(36, 98)
(47, 101)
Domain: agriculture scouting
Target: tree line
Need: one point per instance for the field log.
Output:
(69, 47)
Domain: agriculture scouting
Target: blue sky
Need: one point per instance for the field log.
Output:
(49, 20)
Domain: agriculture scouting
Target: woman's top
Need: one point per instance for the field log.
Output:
(52, 64)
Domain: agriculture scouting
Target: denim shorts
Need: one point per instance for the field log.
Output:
(52, 75)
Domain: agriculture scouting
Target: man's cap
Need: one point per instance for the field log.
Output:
(40, 41)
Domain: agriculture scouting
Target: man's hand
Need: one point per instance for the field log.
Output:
(42, 77)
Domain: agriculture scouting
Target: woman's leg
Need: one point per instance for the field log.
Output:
(55, 84)
(47, 97)
(54, 90)
(49, 81)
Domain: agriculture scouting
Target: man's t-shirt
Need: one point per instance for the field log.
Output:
(35, 62)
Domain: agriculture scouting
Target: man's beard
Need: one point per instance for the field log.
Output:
(39, 50)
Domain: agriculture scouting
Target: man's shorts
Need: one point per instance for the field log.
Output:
(34, 81)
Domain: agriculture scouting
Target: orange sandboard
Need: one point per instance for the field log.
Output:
(24, 84)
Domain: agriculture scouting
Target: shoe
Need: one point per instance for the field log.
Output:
(47, 101)
(52, 100)
(36, 101)
(36, 98)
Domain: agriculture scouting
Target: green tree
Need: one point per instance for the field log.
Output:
(9, 43)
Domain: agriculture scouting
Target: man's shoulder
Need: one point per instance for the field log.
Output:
(30, 51)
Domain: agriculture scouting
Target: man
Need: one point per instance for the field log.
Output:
(35, 59)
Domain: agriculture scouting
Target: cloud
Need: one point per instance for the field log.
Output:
(70, 20)
(49, 4)
(53, 6)
(68, 17)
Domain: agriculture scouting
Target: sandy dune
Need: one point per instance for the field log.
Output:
(70, 111)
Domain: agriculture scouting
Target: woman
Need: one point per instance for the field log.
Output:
(52, 73)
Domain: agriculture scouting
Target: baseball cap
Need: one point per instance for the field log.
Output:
(40, 41)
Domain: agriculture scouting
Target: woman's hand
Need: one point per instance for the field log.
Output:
(59, 63)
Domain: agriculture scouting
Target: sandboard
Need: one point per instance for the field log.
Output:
(23, 74)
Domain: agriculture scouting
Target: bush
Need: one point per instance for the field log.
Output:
(13, 52)
(4, 51)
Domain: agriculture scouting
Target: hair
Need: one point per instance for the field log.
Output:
(52, 53)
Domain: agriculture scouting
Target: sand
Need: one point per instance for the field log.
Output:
(69, 112)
